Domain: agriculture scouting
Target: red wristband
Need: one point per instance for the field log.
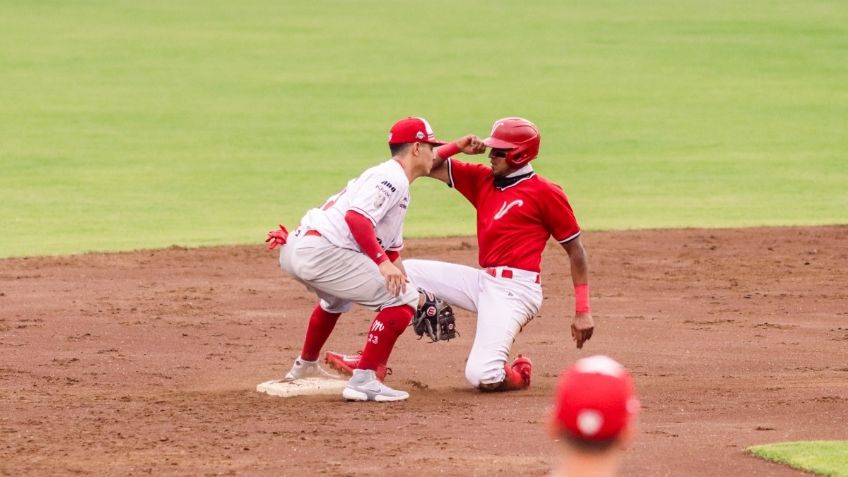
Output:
(448, 150)
(581, 298)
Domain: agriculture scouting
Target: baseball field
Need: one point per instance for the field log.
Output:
(146, 148)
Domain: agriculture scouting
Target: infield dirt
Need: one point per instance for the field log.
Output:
(146, 362)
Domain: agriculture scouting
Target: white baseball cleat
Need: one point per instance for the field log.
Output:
(307, 369)
(364, 386)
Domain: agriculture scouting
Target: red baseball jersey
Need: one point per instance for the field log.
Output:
(514, 222)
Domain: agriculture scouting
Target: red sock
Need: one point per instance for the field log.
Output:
(321, 324)
(385, 329)
(513, 380)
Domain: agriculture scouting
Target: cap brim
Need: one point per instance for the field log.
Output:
(496, 143)
(436, 142)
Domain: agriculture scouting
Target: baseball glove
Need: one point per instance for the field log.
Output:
(435, 319)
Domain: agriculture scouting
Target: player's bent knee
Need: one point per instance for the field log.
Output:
(484, 376)
(408, 298)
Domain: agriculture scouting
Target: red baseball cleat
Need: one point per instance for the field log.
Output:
(346, 363)
(523, 366)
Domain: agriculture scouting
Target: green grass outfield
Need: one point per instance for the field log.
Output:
(829, 458)
(127, 124)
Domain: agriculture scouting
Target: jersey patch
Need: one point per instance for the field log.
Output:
(379, 201)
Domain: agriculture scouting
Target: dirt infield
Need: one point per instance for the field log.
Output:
(146, 363)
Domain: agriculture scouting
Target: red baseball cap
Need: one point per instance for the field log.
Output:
(413, 129)
(595, 399)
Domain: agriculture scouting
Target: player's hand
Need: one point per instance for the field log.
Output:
(277, 237)
(395, 279)
(582, 328)
(470, 144)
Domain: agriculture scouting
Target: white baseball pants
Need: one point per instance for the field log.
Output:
(339, 276)
(503, 307)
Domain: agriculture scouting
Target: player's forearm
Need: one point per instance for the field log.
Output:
(579, 268)
(580, 279)
(579, 274)
(363, 234)
(395, 258)
(445, 152)
(440, 166)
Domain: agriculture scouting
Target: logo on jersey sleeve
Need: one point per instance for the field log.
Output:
(505, 208)
(389, 186)
(385, 190)
(379, 201)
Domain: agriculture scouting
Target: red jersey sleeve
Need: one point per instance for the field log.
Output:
(558, 215)
(467, 178)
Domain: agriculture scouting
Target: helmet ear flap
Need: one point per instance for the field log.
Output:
(517, 158)
(522, 135)
(524, 153)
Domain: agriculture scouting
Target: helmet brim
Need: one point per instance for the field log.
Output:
(496, 143)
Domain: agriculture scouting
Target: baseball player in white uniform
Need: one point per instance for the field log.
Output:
(348, 251)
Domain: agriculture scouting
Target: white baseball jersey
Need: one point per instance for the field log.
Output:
(332, 265)
(381, 193)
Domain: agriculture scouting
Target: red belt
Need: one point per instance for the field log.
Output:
(506, 273)
(313, 233)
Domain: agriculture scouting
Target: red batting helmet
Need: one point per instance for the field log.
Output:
(519, 136)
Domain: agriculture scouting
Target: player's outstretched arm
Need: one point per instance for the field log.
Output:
(583, 326)
(469, 144)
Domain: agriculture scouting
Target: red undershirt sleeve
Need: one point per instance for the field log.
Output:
(363, 232)
(393, 255)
